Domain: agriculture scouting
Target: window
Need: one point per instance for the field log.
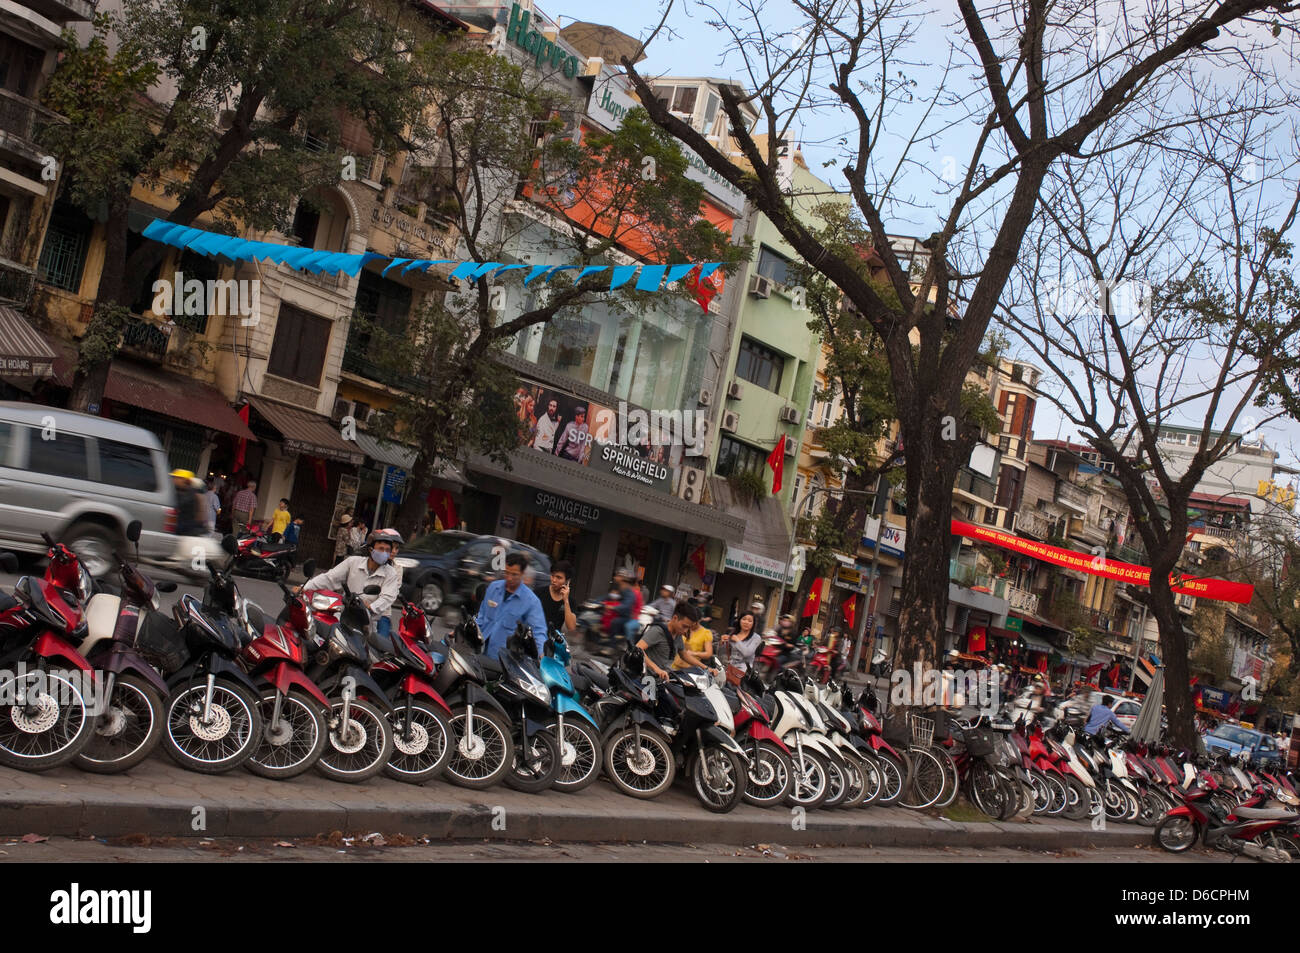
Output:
(126, 465)
(386, 303)
(759, 365)
(774, 265)
(1126, 708)
(298, 351)
(306, 222)
(736, 457)
(64, 253)
(710, 110)
(20, 66)
(64, 456)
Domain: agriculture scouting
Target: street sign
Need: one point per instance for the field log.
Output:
(394, 480)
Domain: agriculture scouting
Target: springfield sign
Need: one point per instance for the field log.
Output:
(762, 566)
(609, 105)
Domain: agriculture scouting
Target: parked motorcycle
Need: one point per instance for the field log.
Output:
(577, 734)
(49, 711)
(514, 678)
(261, 558)
(1244, 830)
(482, 748)
(130, 725)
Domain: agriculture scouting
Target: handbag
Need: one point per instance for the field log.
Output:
(734, 672)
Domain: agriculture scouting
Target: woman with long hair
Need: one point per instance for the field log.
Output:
(741, 645)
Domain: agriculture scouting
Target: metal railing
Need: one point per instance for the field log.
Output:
(145, 339)
(1069, 493)
(968, 577)
(1023, 599)
(976, 485)
(15, 284)
(1033, 523)
(18, 114)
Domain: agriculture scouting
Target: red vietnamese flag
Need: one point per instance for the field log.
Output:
(776, 460)
(814, 599)
(697, 560)
(242, 447)
(850, 610)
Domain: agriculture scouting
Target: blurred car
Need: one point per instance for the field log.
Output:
(1233, 740)
(1075, 710)
(449, 569)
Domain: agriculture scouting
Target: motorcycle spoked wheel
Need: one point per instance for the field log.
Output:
(1114, 802)
(1042, 792)
(295, 744)
(770, 776)
(894, 777)
(854, 772)
(811, 780)
(421, 754)
(1060, 793)
(718, 778)
(1150, 809)
(581, 754)
(228, 738)
(128, 730)
(837, 788)
(644, 772)
(481, 758)
(872, 780)
(1176, 834)
(536, 763)
(1076, 804)
(360, 752)
(52, 728)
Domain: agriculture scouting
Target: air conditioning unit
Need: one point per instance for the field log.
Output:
(734, 390)
(706, 397)
(760, 286)
(691, 486)
(730, 421)
(343, 408)
(789, 415)
(791, 447)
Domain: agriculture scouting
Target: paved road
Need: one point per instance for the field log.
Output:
(141, 849)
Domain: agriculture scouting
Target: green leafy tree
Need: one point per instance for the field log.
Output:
(210, 101)
(502, 137)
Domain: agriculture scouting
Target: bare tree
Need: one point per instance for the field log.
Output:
(1159, 292)
(1020, 85)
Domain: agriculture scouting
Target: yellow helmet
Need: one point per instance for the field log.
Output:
(183, 474)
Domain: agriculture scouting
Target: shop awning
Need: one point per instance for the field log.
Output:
(1035, 644)
(173, 396)
(401, 455)
(24, 352)
(305, 432)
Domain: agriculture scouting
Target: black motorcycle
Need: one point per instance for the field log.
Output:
(482, 746)
(515, 680)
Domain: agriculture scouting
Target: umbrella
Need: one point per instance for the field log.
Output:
(594, 39)
(1147, 727)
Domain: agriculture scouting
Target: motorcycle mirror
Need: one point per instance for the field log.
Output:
(165, 586)
(133, 530)
(230, 545)
(8, 562)
(309, 568)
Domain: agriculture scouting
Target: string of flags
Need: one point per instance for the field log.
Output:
(212, 244)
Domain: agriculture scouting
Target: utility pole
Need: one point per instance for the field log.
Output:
(883, 506)
(1137, 648)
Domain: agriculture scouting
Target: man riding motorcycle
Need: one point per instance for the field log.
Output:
(375, 568)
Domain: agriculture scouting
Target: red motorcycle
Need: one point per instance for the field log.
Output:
(294, 710)
(48, 691)
(404, 669)
(263, 559)
(771, 772)
(1263, 833)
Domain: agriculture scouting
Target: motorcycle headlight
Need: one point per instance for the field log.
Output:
(321, 602)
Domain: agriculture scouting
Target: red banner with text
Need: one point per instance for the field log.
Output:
(1221, 589)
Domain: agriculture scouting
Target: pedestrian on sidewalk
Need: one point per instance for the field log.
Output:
(242, 507)
(280, 519)
(342, 538)
(213, 504)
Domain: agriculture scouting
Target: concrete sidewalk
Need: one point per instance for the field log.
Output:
(160, 799)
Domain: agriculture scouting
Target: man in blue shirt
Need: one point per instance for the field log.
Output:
(1101, 716)
(507, 602)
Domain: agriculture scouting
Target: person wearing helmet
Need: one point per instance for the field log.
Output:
(666, 602)
(189, 515)
(375, 568)
(626, 621)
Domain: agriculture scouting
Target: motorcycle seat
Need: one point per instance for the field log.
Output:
(274, 547)
(591, 673)
(768, 704)
(7, 602)
(491, 667)
(1265, 814)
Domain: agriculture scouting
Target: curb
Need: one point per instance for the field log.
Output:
(163, 801)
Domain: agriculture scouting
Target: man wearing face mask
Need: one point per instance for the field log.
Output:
(374, 569)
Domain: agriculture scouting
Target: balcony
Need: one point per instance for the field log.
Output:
(1067, 494)
(358, 358)
(1089, 532)
(977, 486)
(326, 282)
(1012, 446)
(1100, 620)
(1023, 600)
(15, 284)
(18, 118)
(1032, 523)
(145, 340)
(968, 577)
(63, 11)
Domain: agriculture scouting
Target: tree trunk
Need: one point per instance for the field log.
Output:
(1173, 651)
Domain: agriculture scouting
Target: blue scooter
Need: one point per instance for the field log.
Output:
(576, 732)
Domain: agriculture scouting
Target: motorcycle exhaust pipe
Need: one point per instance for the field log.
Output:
(1271, 855)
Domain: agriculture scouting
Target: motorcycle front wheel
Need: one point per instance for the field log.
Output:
(770, 776)
(52, 726)
(893, 778)
(287, 749)
(718, 777)
(479, 759)
(580, 755)
(420, 754)
(641, 772)
(1176, 834)
(536, 764)
(128, 730)
(811, 781)
(360, 750)
(222, 743)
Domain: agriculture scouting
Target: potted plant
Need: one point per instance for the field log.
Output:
(747, 486)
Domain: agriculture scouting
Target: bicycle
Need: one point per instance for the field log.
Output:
(928, 776)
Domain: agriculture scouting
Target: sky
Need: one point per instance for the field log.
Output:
(694, 49)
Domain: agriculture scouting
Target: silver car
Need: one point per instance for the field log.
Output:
(82, 479)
